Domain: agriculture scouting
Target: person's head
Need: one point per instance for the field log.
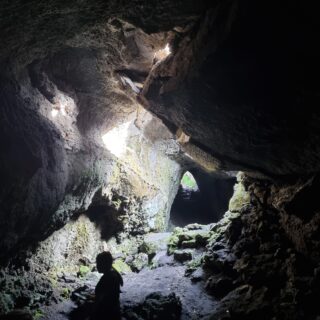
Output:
(104, 261)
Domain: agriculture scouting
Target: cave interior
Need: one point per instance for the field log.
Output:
(183, 137)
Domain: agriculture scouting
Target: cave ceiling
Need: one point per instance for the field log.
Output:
(241, 81)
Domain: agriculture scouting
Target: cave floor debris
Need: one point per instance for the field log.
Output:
(168, 277)
(196, 304)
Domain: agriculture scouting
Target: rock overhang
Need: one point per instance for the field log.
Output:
(239, 105)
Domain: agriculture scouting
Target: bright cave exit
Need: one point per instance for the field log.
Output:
(202, 198)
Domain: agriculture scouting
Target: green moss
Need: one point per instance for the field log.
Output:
(6, 302)
(189, 243)
(38, 314)
(82, 232)
(182, 238)
(128, 246)
(240, 197)
(117, 203)
(160, 222)
(66, 292)
(148, 248)
(83, 270)
(53, 279)
(172, 244)
(139, 262)
(194, 264)
(121, 266)
(220, 228)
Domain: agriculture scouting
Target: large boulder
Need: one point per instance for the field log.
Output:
(156, 306)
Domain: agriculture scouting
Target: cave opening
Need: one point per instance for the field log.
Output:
(201, 198)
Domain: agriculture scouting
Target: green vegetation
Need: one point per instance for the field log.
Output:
(148, 248)
(38, 314)
(6, 302)
(239, 199)
(173, 242)
(188, 181)
(139, 262)
(220, 227)
(121, 266)
(83, 270)
(194, 264)
(53, 279)
(66, 292)
(183, 238)
(160, 222)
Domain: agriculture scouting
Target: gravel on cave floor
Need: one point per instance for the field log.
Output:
(196, 304)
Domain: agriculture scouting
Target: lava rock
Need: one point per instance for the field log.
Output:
(17, 314)
(182, 255)
(140, 261)
(162, 259)
(197, 275)
(219, 286)
(189, 244)
(156, 306)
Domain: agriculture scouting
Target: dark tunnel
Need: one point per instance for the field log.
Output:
(204, 204)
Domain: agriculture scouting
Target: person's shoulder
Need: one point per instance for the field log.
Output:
(103, 279)
(112, 273)
(117, 275)
(115, 272)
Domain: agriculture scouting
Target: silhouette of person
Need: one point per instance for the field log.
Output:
(107, 292)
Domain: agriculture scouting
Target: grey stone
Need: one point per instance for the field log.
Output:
(183, 255)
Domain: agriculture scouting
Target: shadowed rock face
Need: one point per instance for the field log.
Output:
(33, 29)
(241, 80)
(53, 117)
(243, 84)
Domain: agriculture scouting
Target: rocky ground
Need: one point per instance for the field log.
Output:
(163, 272)
(252, 264)
(172, 280)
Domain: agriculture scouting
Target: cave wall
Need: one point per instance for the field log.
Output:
(265, 263)
(54, 165)
(223, 86)
(243, 85)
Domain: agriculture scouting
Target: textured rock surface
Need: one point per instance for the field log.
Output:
(262, 265)
(156, 306)
(243, 87)
(53, 118)
(44, 27)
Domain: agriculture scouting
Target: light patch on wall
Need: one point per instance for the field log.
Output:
(54, 113)
(162, 53)
(60, 109)
(115, 140)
